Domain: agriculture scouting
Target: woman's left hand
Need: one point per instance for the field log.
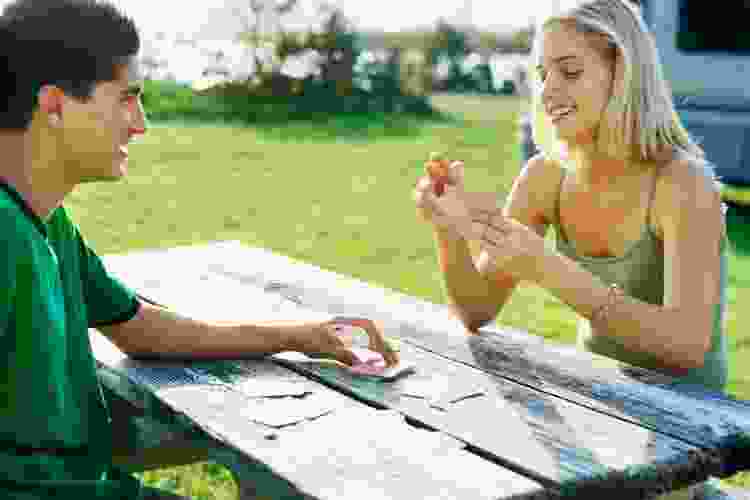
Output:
(512, 246)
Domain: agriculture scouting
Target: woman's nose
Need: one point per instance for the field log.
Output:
(550, 86)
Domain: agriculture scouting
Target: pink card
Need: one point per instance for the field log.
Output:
(372, 364)
(366, 356)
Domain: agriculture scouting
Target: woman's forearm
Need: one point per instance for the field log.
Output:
(639, 326)
(468, 292)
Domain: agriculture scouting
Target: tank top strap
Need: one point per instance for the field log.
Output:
(651, 198)
(559, 195)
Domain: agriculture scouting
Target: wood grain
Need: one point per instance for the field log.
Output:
(655, 401)
(583, 450)
(317, 443)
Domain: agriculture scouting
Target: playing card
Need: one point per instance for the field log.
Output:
(369, 363)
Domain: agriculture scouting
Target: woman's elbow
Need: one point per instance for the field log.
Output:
(695, 357)
(473, 320)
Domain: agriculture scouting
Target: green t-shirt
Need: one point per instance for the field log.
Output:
(55, 433)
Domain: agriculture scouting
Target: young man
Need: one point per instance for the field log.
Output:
(72, 104)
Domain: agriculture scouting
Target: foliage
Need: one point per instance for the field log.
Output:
(306, 100)
(344, 83)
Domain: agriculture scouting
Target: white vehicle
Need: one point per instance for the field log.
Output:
(705, 48)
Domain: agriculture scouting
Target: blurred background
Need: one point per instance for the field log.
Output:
(237, 39)
(301, 126)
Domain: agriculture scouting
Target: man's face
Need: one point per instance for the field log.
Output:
(95, 133)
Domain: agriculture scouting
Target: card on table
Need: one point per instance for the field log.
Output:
(369, 364)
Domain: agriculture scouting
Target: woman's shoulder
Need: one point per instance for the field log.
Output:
(535, 190)
(682, 177)
(543, 173)
(541, 164)
(685, 184)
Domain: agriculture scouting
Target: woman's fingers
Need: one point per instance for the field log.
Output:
(493, 230)
(497, 224)
(456, 174)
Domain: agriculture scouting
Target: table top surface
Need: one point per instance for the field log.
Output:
(501, 414)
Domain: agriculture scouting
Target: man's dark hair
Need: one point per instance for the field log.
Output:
(72, 44)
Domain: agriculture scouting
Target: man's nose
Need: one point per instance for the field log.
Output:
(138, 120)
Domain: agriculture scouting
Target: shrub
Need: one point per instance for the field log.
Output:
(294, 100)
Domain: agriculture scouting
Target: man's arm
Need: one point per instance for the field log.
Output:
(159, 332)
(156, 332)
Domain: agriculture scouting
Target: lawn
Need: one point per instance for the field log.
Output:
(341, 201)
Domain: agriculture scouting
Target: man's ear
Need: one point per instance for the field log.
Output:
(51, 100)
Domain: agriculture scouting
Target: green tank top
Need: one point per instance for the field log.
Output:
(640, 273)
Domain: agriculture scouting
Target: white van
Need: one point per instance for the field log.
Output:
(705, 48)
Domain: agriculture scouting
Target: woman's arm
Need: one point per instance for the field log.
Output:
(477, 291)
(688, 212)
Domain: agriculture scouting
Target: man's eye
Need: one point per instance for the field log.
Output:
(572, 75)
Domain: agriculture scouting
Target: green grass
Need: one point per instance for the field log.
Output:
(338, 196)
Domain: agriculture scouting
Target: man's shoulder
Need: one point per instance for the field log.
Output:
(20, 243)
(60, 219)
(14, 224)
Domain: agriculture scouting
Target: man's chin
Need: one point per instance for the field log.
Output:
(117, 174)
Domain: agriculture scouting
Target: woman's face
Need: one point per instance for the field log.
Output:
(576, 84)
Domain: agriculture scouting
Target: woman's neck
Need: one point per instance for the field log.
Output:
(598, 171)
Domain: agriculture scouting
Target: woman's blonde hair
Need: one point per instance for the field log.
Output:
(639, 122)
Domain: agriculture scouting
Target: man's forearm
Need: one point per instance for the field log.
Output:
(157, 332)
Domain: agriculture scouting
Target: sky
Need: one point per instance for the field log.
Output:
(189, 16)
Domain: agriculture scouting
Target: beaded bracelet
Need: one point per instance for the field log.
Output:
(614, 292)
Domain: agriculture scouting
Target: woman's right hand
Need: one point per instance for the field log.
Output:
(426, 193)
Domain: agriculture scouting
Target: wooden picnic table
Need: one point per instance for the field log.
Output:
(502, 414)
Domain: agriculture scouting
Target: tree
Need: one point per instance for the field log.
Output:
(252, 24)
(451, 44)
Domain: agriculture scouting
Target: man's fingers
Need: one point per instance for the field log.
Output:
(345, 356)
(388, 350)
(352, 321)
(377, 341)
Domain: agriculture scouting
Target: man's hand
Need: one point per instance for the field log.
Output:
(323, 338)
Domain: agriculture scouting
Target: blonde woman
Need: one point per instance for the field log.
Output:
(640, 251)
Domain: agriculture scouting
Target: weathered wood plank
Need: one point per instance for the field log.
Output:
(554, 441)
(705, 419)
(544, 437)
(315, 443)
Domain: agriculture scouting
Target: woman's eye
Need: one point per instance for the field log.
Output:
(572, 75)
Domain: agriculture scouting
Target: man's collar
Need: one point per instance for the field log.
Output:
(24, 206)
